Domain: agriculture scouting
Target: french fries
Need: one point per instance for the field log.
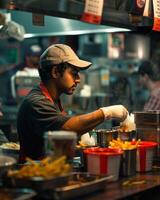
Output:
(82, 144)
(124, 145)
(46, 168)
(134, 182)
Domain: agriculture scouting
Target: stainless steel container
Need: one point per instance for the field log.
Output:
(128, 163)
(6, 163)
(128, 135)
(104, 136)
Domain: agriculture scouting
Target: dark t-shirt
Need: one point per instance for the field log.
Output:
(37, 114)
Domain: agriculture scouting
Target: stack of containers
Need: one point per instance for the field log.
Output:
(126, 161)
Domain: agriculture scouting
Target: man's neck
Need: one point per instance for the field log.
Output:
(152, 85)
(53, 91)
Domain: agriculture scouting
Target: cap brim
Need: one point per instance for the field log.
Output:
(82, 64)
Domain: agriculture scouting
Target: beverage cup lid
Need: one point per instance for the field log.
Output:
(61, 135)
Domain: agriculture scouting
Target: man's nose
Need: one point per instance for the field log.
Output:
(78, 79)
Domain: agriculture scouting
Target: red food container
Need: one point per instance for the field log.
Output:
(145, 153)
(103, 161)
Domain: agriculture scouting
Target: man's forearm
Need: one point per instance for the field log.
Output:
(84, 123)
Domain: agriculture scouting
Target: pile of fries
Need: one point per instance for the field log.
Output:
(124, 145)
(46, 168)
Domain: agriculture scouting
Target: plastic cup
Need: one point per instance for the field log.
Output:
(59, 143)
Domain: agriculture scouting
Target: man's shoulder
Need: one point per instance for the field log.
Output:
(156, 92)
(35, 95)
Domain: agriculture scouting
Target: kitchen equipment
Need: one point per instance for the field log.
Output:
(127, 135)
(10, 152)
(128, 163)
(150, 119)
(104, 136)
(116, 13)
(148, 128)
(145, 153)
(35, 183)
(16, 194)
(10, 149)
(104, 161)
(6, 163)
(81, 184)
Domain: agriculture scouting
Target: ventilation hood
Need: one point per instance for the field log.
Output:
(59, 26)
(62, 17)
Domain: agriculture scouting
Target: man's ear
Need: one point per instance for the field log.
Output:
(55, 73)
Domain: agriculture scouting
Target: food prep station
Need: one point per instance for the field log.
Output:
(98, 171)
(117, 164)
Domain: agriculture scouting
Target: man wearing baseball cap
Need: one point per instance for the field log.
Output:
(28, 68)
(42, 110)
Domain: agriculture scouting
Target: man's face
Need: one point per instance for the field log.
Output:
(32, 61)
(140, 3)
(68, 82)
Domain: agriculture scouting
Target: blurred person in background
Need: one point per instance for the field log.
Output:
(42, 111)
(149, 79)
(27, 69)
(32, 55)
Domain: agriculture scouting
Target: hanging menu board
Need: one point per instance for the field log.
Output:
(93, 11)
(156, 8)
(146, 11)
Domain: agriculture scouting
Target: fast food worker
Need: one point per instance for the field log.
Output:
(41, 110)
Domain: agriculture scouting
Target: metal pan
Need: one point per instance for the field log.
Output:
(36, 183)
(10, 152)
(17, 194)
(81, 184)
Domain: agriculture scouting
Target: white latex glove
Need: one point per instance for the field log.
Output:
(117, 111)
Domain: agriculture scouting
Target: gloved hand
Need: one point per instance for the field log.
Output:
(129, 123)
(116, 111)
